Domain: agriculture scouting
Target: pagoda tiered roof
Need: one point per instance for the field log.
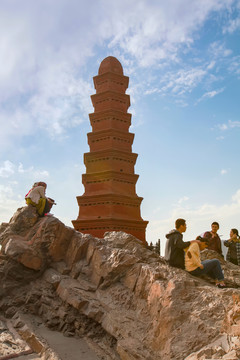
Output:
(110, 202)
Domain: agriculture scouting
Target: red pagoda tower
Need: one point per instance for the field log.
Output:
(110, 202)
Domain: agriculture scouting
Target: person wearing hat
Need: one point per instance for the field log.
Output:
(37, 198)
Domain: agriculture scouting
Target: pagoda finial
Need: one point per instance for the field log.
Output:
(110, 64)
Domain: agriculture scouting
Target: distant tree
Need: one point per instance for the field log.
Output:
(157, 248)
(151, 247)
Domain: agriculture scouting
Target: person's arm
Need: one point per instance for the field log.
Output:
(238, 253)
(227, 243)
(219, 245)
(182, 244)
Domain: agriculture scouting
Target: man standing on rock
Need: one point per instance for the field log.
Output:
(214, 239)
(174, 250)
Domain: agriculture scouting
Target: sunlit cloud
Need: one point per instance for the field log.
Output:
(198, 219)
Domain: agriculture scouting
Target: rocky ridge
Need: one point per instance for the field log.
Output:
(123, 298)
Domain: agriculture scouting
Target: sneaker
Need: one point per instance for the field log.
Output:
(221, 286)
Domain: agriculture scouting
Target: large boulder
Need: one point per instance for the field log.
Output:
(118, 293)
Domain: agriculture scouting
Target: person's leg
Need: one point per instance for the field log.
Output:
(213, 268)
(47, 207)
(197, 272)
(41, 206)
(234, 261)
(208, 268)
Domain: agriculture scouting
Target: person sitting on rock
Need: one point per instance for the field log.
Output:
(174, 249)
(210, 267)
(37, 198)
(233, 244)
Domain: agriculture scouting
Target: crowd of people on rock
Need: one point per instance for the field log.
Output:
(180, 254)
(186, 255)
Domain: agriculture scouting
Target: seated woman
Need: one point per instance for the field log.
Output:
(233, 244)
(36, 197)
(209, 267)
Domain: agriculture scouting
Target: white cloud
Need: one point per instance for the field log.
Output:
(211, 65)
(234, 24)
(210, 94)
(35, 174)
(229, 125)
(22, 170)
(183, 199)
(7, 169)
(223, 171)
(8, 203)
(234, 65)
(43, 78)
(182, 81)
(5, 193)
(152, 32)
(236, 197)
(234, 124)
(223, 127)
(218, 50)
(41, 174)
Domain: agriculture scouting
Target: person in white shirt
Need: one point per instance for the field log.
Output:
(37, 198)
(196, 267)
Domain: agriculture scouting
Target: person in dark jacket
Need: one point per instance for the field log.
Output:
(233, 244)
(174, 249)
(214, 240)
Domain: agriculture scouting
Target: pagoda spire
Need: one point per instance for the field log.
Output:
(110, 202)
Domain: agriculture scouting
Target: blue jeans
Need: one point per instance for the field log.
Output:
(212, 268)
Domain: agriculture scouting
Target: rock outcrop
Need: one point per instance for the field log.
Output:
(116, 293)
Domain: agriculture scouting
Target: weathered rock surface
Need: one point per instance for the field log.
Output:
(120, 296)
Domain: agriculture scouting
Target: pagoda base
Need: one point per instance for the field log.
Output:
(98, 227)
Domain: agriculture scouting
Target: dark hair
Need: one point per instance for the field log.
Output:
(235, 231)
(207, 235)
(41, 183)
(179, 222)
(203, 239)
(215, 223)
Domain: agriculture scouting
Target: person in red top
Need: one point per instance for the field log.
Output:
(214, 239)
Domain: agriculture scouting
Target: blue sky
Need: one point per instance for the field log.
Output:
(183, 60)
